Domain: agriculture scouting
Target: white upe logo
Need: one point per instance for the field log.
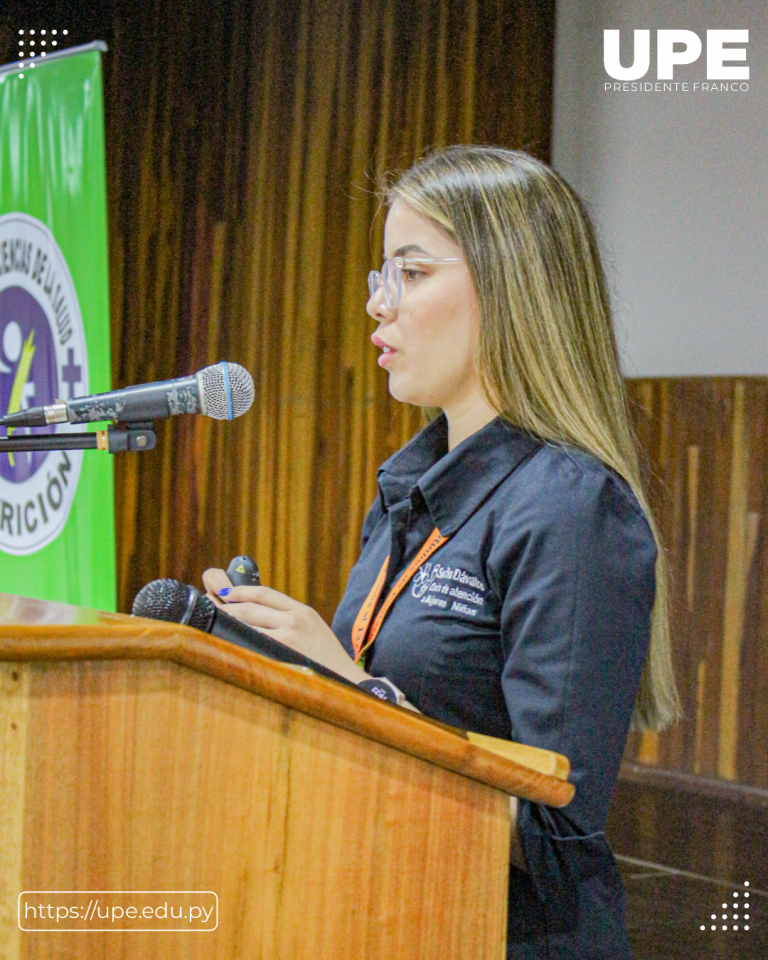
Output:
(667, 57)
(42, 359)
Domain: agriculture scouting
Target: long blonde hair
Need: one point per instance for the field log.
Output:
(546, 351)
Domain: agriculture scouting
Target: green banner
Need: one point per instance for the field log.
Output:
(56, 508)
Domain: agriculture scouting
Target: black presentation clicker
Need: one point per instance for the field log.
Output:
(243, 572)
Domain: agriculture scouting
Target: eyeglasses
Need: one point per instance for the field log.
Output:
(390, 277)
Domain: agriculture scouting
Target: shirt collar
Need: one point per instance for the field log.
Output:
(453, 483)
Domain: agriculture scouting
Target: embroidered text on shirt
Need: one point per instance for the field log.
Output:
(432, 582)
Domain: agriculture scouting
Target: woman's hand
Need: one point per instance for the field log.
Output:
(286, 620)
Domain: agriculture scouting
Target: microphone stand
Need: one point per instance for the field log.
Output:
(136, 437)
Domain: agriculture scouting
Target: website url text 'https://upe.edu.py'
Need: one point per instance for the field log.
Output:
(118, 910)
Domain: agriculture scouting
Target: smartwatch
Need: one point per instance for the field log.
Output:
(383, 689)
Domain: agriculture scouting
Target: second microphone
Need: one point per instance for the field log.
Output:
(222, 391)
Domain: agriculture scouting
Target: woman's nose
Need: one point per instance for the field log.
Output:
(378, 308)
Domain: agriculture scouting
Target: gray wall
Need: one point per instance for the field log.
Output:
(678, 186)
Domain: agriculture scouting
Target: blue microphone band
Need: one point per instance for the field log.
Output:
(227, 390)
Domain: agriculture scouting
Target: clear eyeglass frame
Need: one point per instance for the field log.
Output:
(390, 277)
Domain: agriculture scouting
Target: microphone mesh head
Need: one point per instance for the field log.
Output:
(214, 391)
(168, 600)
(161, 600)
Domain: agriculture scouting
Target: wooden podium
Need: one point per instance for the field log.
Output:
(144, 756)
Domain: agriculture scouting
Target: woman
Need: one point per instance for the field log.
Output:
(532, 595)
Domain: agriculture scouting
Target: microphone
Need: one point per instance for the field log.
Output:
(177, 602)
(222, 391)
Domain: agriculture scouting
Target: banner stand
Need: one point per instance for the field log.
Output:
(57, 538)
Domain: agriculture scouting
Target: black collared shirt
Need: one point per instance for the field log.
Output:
(531, 623)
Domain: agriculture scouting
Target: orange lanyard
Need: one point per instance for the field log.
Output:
(362, 621)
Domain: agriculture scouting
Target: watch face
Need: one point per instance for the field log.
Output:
(381, 690)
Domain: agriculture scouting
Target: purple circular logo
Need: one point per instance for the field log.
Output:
(42, 359)
(28, 374)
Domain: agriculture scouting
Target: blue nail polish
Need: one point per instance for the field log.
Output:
(225, 591)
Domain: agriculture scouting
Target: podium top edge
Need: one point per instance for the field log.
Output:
(20, 65)
(55, 634)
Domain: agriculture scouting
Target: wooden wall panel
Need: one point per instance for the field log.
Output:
(706, 446)
(243, 142)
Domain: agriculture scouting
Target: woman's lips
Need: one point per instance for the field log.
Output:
(388, 353)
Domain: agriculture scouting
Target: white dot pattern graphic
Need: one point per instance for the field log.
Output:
(33, 53)
(735, 916)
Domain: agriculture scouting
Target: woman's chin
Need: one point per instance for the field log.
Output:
(406, 393)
